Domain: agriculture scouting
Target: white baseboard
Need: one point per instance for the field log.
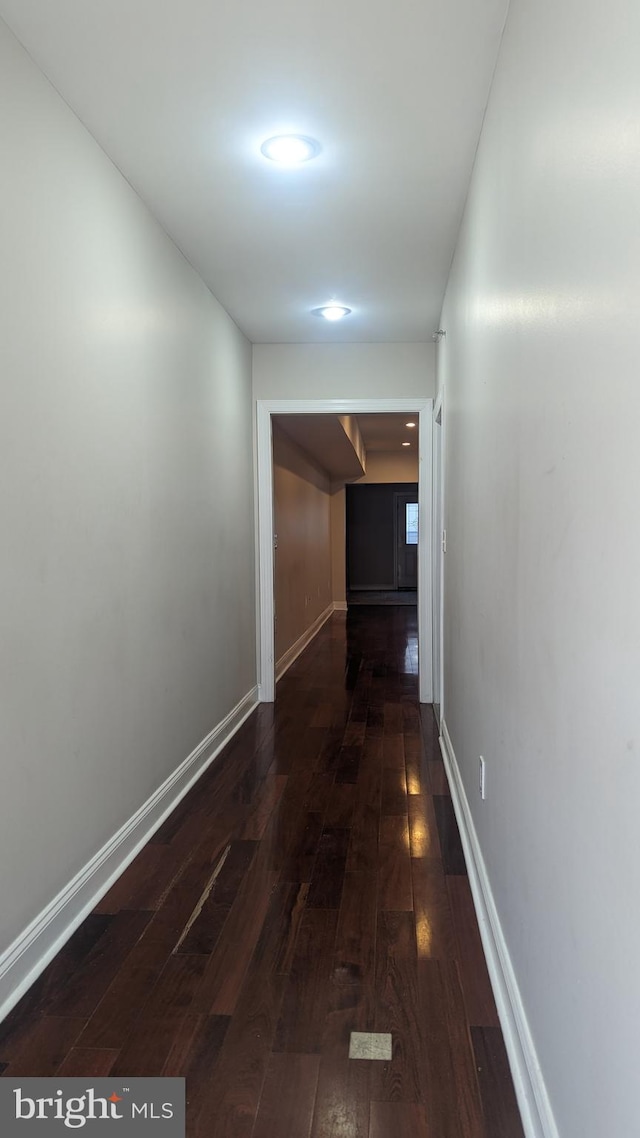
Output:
(531, 1092)
(292, 653)
(339, 606)
(36, 946)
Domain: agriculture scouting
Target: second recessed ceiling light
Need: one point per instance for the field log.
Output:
(290, 149)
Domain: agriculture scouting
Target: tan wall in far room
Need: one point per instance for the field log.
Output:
(338, 547)
(303, 555)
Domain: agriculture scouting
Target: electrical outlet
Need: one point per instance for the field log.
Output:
(483, 785)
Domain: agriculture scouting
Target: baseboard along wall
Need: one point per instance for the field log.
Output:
(23, 961)
(292, 653)
(528, 1080)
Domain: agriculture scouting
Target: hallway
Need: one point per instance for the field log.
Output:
(311, 885)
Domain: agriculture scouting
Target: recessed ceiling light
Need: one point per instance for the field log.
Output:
(290, 149)
(331, 311)
(409, 424)
(406, 444)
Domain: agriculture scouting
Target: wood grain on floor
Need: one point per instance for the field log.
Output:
(311, 884)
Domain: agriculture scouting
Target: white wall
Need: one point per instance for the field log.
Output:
(542, 622)
(343, 371)
(126, 497)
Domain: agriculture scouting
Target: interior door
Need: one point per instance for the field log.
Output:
(406, 512)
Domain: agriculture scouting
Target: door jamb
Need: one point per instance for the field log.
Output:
(438, 550)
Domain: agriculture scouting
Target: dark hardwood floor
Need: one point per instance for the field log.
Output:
(312, 884)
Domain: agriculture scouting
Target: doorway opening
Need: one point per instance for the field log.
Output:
(418, 410)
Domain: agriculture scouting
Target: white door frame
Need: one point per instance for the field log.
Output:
(265, 408)
(438, 551)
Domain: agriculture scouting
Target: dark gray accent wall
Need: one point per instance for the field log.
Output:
(371, 534)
